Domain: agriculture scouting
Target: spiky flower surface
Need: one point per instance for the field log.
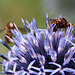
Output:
(40, 51)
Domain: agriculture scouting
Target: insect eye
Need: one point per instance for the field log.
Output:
(10, 25)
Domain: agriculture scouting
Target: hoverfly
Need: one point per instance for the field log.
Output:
(9, 26)
(60, 23)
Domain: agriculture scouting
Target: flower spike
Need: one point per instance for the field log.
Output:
(24, 25)
(4, 44)
(47, 51)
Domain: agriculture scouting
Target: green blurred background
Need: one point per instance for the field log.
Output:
(14, 10)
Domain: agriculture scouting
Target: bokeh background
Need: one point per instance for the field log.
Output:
(14, 10)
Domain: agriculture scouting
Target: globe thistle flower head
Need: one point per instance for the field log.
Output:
(40, 51)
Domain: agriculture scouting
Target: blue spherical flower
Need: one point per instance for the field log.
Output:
(40, 51)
